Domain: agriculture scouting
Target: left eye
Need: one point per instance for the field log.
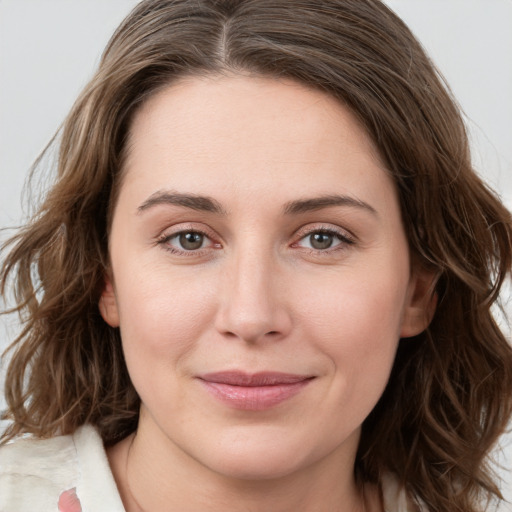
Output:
(187, 240)
(322, 240)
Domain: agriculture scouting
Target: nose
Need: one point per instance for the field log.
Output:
(253, 305)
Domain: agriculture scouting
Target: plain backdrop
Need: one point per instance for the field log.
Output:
(49, 49)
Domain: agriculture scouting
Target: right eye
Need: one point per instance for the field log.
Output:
(188, 241)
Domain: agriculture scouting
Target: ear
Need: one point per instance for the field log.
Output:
(108, 304)
(421, 302)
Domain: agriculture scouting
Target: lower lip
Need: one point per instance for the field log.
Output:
(254, 398)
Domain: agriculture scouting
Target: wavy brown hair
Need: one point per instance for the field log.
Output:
(450, 393)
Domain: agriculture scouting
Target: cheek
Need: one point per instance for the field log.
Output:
(358, 330)
(355, 320)
(161, 321)
(162, 315)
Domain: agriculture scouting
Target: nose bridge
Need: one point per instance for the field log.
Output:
(251, 308)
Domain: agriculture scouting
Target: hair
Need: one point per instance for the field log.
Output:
(449, 396)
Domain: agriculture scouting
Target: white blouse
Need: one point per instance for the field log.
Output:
(35, 473)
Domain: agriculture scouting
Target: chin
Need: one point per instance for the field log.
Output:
(248, 456)
(256, 466)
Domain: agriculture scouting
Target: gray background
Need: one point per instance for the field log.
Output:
(49, 49)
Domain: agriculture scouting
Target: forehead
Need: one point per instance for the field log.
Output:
(215, 106)
(251, 134)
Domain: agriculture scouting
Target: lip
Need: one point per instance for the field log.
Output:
(254, 391)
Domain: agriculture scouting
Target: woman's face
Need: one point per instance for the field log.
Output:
(260, 275)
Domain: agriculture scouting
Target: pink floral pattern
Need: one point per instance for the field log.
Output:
(69, 502)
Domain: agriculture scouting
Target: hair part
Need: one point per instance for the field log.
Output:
(450, 393)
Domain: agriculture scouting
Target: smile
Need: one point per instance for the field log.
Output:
(253, 392)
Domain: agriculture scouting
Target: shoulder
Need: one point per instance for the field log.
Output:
(35, 472)
(36, 456)
(395, 498)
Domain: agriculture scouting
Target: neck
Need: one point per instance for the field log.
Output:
(162, 479)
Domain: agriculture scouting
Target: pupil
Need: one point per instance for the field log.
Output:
(321, 240)
(191, 241)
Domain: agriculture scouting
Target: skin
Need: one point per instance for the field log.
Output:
(258, 295)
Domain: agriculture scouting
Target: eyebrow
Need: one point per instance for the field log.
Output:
(318, 203)
(208, 204)
(192, 201)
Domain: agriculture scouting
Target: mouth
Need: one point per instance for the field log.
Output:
(256, 391)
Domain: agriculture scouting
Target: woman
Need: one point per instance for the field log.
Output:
(264, 276)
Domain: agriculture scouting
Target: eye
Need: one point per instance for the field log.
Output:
(190, 241)
(186, 241)
(321, 240)
(324, 239)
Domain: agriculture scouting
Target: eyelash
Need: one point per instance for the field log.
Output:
(344, 239)
(165, 240)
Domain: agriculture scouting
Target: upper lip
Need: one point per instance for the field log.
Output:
(240, 378)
